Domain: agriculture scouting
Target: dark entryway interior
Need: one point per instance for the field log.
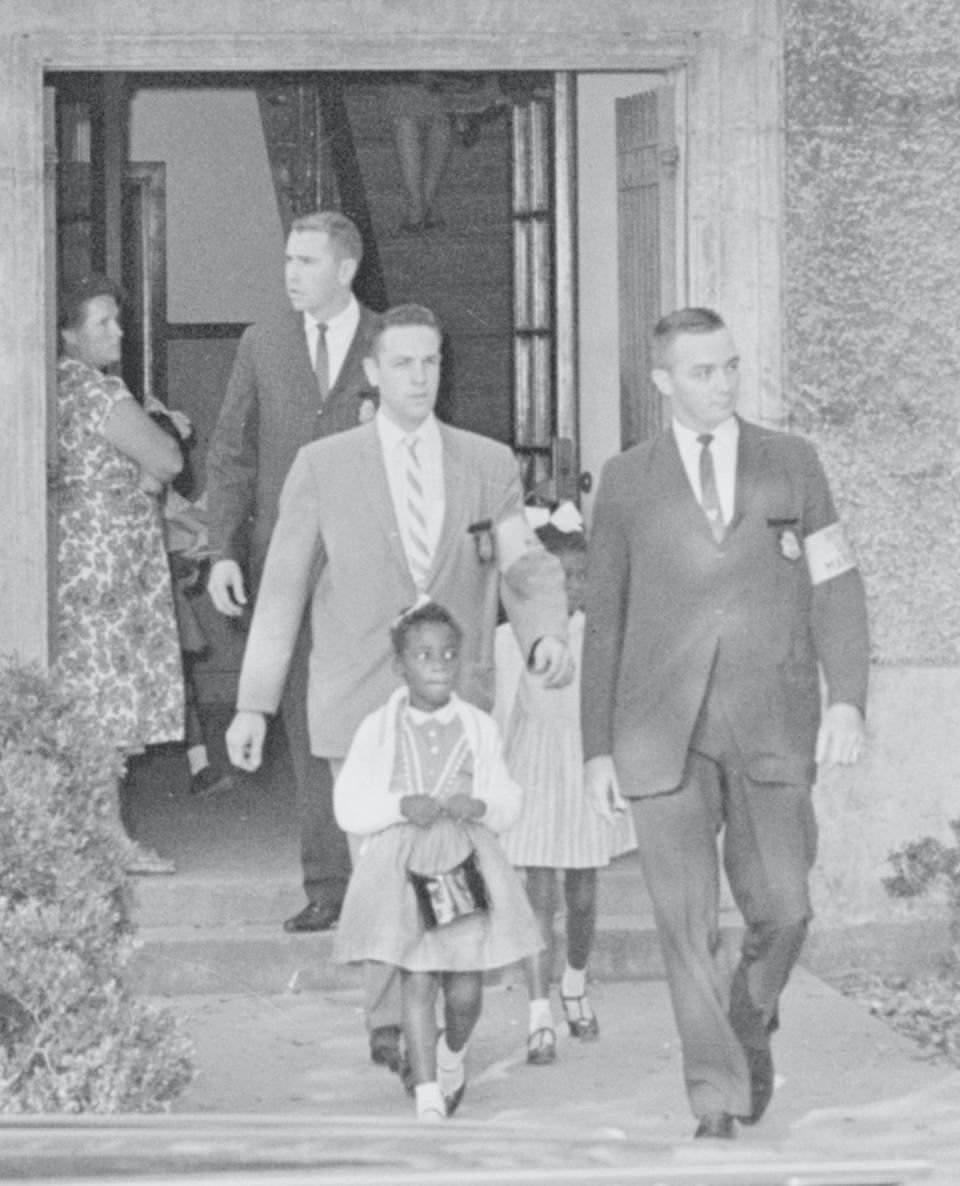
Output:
(249, 829)
(486, 269)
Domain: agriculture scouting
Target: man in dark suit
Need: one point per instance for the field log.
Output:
(296, 378)
(720, 586)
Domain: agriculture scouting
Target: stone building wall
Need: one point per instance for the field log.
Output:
(872, 267)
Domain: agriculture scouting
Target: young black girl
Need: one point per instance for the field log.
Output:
(431, 892)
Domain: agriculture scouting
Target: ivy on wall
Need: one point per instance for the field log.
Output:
(873, 295)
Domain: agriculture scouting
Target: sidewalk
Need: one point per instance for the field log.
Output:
(848, 1086)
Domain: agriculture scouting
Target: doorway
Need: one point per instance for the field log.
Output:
(631, 244)
(202, 235)
(233, 158)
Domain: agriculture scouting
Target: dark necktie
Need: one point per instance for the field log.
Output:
(321, 363)
(709, 498)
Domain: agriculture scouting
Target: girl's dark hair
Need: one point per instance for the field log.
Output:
(76, 291)
(430, 611)
(557, 541)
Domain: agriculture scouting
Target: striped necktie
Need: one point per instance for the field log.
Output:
(419, 555)
(321, 362)
(709, 497)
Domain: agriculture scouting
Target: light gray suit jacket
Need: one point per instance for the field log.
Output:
(337, 544)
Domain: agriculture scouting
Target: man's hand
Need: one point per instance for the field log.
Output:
(421, 810)
(842, 737)
(148, 483)
(245, 739)
(225, 587)
(552, 659)
(602, 789)
(464, 807)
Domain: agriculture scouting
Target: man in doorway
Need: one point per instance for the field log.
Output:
(720, 581)
(355, 543)
(297, 377)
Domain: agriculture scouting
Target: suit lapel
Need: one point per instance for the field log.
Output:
(297, 364)
(749, 463)
(456, 480)
(676, 484)
(376, 488)
(353, 361)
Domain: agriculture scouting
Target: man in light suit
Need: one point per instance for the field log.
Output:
(346, 544)
(720, 585)
(297, 377)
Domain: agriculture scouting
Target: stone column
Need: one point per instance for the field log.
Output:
(24, 533)
(735, 186)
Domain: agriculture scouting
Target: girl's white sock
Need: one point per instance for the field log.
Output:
(540, 1016)
(450, 1070)
(574, 982)
(430, 1105)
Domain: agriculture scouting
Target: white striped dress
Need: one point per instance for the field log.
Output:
(557, 828)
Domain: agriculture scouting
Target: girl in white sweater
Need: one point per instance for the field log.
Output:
(432, 892)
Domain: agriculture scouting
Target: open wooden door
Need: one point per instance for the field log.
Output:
(144, 279)
(647, 158)
(630, 252)
(544, 289)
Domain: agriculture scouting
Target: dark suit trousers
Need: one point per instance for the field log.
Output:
(768, 847)
(324, 854)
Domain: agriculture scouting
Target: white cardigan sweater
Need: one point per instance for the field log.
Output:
(362, 799)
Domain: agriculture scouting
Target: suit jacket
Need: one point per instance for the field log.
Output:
(337, 545)
(272, 408)
(668, 608)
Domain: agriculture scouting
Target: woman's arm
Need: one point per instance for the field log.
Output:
(129, 429)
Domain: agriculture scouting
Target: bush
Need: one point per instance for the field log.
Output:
(929, 866)
(923, 1006)
(73, 1037)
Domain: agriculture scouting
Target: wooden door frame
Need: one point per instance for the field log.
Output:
(732, 50)
(147, 180)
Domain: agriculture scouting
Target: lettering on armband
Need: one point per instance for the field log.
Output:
(829, 553)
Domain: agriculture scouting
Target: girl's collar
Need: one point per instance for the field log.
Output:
(444, 715)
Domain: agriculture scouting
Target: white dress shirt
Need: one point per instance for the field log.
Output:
(340, 333)
(723, 448)
(393, 442)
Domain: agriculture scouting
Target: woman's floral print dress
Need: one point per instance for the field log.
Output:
(117, 644)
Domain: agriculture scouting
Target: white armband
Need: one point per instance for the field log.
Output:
(829, 553)
(515, 538)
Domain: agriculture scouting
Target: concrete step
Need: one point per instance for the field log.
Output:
(210, 933)
(216, 899)
(260, 958)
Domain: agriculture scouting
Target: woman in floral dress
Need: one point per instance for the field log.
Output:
(117, 644)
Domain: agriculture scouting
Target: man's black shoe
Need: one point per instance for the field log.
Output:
(208, 782)
(315, 916)
(385, 1047)
(760, 1065)
(754, 1034)
(405, 1072)
(716, 1126)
